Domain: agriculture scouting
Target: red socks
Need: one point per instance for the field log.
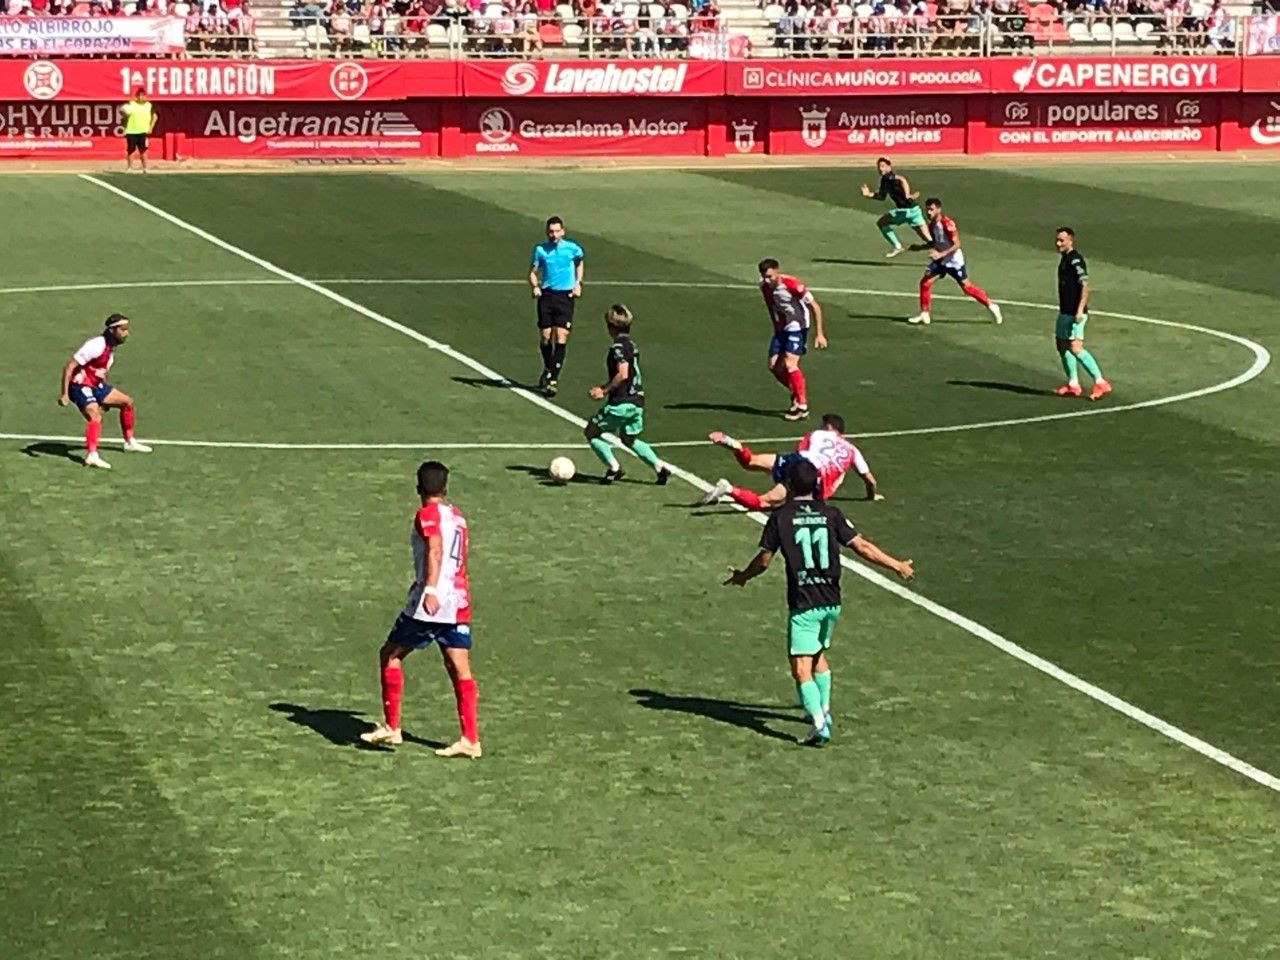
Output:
(743, 455)
(746, 498)
(126, 422)
(977, 294)
(92, 430)
(467, 695)
(926, 295)
(392, 688)
(795, 382)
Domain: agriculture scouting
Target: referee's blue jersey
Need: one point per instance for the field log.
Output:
(556, 263)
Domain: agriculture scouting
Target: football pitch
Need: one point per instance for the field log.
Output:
(1061, 740)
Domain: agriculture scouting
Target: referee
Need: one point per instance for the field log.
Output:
(555, 276)
(139, 120)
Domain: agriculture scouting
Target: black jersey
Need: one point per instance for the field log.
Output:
(891, 187)
(1073, 273)
(631, 390)
(809, 533)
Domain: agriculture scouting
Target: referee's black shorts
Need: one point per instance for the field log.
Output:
(555, 310)
(135, 143)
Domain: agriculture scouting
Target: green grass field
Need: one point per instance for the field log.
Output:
(188, 643)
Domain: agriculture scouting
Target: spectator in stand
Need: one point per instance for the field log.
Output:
(528, 35)
(642, 39)
(789, 26)
(39, 8)
(672, 30)
(546, 10)
(1220, 29)
(706, 20)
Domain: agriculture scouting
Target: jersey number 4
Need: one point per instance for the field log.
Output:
(814, 544)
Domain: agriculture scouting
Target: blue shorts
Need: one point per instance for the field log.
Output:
(416, 634)
(788, 341)
(936, 268)
(82, 396)
(782, 463)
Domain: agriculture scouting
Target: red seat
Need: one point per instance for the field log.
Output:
(551, 34)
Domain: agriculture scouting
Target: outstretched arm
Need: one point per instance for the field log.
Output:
(872, 554)
(758, 565)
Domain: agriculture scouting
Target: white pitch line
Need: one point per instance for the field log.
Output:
(972, 627)
(1261, 359)
(254, 445)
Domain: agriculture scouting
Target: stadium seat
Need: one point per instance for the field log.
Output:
(315, 36)
(773, 13)
(361, 35)
(630, 11)
(551, 33)
(1101, 31)
(1078, 32)
(863, 10)
(181, 9)
(565, 12)
(130, 9)
(1123, 31)
(680, 11)
(1144, 29)
(844, 12)
(572, 35)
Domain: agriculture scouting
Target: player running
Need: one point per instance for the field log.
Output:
(623, 396)
(827, 449)
(1073, 314)
(810, 533)
(84, 383)
(791, 307)
(906, 208)
(946, 259)
(438, 610)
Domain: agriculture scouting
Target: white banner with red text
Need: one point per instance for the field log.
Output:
(90, 36)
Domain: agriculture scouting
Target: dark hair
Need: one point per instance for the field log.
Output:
(834, 421)
(139, 91)
(1067, 230)
(551, 220)
(115, 320)
(884, 160)
(933, 202)
(767, 264)
(433, 478)
(802, 478)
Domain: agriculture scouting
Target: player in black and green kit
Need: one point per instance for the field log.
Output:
(623, 394)
(810, 534)
(906, 207)
(1073, 314)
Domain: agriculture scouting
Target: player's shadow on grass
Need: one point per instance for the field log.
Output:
(540, 474)
(895, 317)
(749, 716)
(1020, 388)
(866, 263)
(727, 408)
(53, 448)
(502, 383)
(340, 727)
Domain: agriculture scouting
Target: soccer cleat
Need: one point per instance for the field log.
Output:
(462, 747)
(895, 252)
(1100, 389)
(544, 378)
(724, 440)
(796, 413)
(722, 489)
(996, 313)
(1068, 390)
(550, 388)
(921, 319)
(93, 460)
(613, 475)
(818, 736)
(383, 736)
(664, 474)
(136, 446)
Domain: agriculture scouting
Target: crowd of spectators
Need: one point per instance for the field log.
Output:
(209, 25)
(970, 26)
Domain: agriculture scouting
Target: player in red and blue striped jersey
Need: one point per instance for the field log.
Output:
(84, 383)
(946, 259)
(791, 308)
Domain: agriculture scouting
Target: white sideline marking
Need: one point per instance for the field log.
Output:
(972, 627)
(254, 445)
(1261, 359)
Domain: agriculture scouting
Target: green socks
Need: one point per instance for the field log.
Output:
(1069, 365)
(891, 237)
(605, 452)
(1090, 364)
(823, 680)
(645, 453)
(812, 701)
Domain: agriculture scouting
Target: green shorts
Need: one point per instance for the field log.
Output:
(809, 631)
(622, 419)
(1067, 328)
(906, 217)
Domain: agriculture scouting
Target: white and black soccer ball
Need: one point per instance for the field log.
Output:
(561, 470)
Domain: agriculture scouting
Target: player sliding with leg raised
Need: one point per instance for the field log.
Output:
(1073, 314)
(810, 534)
(946, 259)
(438, 610)
(791, 307)
(906, 208)
(84, 383)
(826, 448)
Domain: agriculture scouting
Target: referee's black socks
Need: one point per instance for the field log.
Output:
(548, 357)
(557, 359)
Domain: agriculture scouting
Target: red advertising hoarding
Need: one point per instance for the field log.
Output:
(1048, 75)
(585, 78)
(1261, 75)
(227, 80)
(77, 131)
(634, 126)
(775, 78)
(1257, 125)
(1091, 123)
(285, 130)
(867, 125)
(746, 129)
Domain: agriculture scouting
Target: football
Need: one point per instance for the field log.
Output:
(562, 470)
